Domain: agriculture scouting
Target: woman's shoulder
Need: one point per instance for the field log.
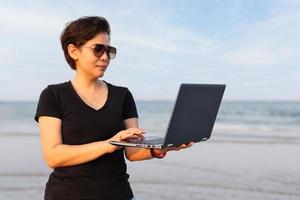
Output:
(116, 87)
(56, 88)
(118, 90)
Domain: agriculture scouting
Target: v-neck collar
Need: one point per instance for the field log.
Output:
(85, 104)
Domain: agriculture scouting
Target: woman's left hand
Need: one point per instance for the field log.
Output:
(166, 149)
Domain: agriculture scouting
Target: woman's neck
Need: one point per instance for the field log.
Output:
(86, 83)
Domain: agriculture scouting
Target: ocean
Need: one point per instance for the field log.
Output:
(265, 120)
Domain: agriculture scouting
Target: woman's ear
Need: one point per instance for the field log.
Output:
(73, 51)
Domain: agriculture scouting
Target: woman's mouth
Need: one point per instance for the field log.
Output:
(102, 66)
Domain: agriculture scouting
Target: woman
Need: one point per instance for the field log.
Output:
(78, 118)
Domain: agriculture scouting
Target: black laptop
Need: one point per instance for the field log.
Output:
(193, 118)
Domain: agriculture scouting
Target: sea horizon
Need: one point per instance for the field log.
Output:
(243, 120)
(171, 100)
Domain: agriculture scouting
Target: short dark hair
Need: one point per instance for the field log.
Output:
(79, 31)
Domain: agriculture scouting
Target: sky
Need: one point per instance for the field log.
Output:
(252, 46)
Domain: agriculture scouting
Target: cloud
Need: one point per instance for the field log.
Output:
(262, 56)
(5, 55)
(290, 2)
(270, 42)
(33, 21)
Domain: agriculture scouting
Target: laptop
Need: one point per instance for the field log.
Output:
(193, 118)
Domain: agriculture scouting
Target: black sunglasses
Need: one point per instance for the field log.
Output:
(99, 50)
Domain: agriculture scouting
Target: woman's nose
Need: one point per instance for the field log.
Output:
(104, 56)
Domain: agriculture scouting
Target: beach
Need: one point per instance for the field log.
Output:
(214, 169)
(252, 154)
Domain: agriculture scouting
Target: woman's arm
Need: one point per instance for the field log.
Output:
(58, 154)
(135, 154)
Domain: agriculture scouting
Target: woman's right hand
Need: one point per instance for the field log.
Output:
(128, 134)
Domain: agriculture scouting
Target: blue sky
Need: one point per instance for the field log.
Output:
(252, 46)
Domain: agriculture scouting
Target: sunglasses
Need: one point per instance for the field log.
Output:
(99, 50)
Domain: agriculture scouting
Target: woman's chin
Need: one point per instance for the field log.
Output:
(100, 72)
(99, 75)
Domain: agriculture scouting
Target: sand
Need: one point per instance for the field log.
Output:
(215, 169)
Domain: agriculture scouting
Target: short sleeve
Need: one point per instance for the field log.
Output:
(47, 105)
(129, 107)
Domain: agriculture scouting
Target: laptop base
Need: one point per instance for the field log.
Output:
(154, 142)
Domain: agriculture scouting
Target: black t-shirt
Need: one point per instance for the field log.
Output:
(104, 177)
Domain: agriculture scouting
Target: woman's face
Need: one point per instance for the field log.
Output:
(87, 62)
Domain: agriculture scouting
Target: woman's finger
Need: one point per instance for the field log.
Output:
(131, 132)
(140, 134)
(183, 146)
(137, 130)
(133, 136)
(190, 144)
